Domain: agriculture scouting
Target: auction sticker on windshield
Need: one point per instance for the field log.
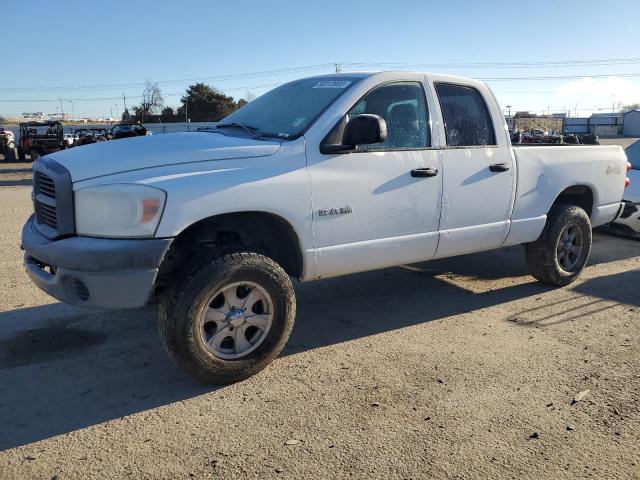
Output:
(332, 84)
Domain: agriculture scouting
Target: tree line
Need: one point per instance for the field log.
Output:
(200, 103)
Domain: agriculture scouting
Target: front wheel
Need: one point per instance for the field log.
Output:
(229, 318)
(560, 254)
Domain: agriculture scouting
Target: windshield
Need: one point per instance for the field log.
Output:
(287, 111)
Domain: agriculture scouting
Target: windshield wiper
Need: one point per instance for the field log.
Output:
(247, 128)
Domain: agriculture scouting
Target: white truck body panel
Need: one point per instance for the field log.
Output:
(144, 152)
(546, 171)
(394, 218)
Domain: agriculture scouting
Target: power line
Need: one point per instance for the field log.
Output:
(558, 77)
(266, 85)
(309, 67)
(119, 97)
(329, 66)
(232, 76)
(538, 64)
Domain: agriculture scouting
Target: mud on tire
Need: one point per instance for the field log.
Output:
(560, 254)
(184, 305)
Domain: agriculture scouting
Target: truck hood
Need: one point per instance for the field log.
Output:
(117, 156)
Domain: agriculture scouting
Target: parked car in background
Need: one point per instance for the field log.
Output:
(86, 136)
(100, 134)
(581, 139)
(128, 130)
(83, 137)
(535, 136)
(629, 221)
(70, 139)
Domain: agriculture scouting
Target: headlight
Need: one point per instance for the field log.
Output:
(119, 210)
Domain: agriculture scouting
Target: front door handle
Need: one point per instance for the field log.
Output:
(424, 172)
(499, 167)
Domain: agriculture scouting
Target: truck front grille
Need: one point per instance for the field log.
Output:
(44, 184)
(46, 214)
(53, 199)
(44, 190)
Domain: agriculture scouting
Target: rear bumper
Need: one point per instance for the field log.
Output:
(605, 213)
(93, 272)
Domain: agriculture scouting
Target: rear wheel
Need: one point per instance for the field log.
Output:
(228, 318)
(560, 254)
(35, 154)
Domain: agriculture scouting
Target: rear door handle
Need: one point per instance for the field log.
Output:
(499, 167)
(424, 172)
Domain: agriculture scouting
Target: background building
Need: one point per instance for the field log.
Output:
(605, 124)
(602, 124)
(631, 124)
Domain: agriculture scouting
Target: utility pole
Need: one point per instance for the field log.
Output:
(338, 67)
(186, 112)
(509, 117)
(124, 102)
(61, 109)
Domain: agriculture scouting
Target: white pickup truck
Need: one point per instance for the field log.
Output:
(319, 177)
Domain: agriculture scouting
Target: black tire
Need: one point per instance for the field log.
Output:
(35, 155)
(21, 155)
(184, 301)
(544, 260)
(11, 154)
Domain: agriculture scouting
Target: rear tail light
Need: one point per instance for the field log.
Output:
(627, 182)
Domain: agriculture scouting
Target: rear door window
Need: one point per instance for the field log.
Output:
(467, 121)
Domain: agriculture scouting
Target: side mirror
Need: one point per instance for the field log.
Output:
(365, 129)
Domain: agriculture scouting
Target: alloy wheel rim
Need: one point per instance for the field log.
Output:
(570, 248)
(236, 320)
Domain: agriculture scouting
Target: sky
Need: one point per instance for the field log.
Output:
(89, 54)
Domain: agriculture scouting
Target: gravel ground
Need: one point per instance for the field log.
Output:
(457, 368)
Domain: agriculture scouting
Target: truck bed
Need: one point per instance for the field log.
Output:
(544, 170)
